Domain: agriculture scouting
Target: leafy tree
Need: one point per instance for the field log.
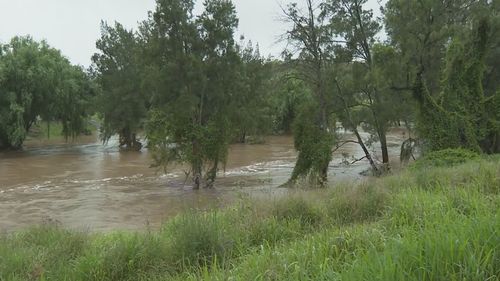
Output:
(462, 116)
(310, 36)
(287, 94)
(420, 29)
(194, 98)
(37, 81)
(254, 116)
(452, 111)
(357, 27)
(123, 102)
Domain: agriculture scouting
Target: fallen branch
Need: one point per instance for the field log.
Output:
(342, 144)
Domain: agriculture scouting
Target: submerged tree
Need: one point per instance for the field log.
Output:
(357, 28)
(197, 62)
(452, 108)
(311, 38)
(122, 103)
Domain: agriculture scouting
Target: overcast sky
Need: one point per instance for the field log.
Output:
(73, 26)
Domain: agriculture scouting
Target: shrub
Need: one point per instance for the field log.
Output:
(445, 158)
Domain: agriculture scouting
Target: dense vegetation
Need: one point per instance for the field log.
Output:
(38, 83)
(429, 223)
(194, 89)
(181, 83)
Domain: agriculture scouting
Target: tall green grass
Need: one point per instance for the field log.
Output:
(422, 224)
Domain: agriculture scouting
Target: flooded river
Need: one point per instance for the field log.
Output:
(89, 185)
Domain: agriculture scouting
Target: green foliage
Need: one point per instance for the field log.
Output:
(459, 114)
(299, 209)
(445, 157)
(119, 69)
(194, 98)
(457, 110)
(314, 145)
(288, 94)
(36, 81)
(310, 35)
(254, 115)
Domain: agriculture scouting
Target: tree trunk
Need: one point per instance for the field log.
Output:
(367, 152)
(196, 165)
(356, 132)
(243, 137)
(212, 174)
(383, 146)
(323, 176)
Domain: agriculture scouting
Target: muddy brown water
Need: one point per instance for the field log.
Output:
(87, 185)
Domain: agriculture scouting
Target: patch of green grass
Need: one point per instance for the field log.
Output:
(358, 204)
(298, 208)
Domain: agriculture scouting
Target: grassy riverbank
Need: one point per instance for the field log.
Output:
(423, 224)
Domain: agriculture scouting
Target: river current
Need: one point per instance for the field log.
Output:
(88, 185)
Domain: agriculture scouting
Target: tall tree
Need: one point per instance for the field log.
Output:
(254, 115)
(449, 104)
(421, 30)
(123, 102)
(357, 27)
(194, 96)
(310, 35)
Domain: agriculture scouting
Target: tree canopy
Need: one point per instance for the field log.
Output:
(38, 83)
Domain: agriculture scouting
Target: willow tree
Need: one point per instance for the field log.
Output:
(196, 63)
(36, 81)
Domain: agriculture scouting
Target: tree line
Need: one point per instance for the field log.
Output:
(189, 87)
(38, 83)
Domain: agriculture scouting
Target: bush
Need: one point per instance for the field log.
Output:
(445, 158)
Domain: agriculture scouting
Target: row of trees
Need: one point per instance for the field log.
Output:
(38, 83)
(187, 85)
(186, 81)
(194, 89)
(437, 71)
